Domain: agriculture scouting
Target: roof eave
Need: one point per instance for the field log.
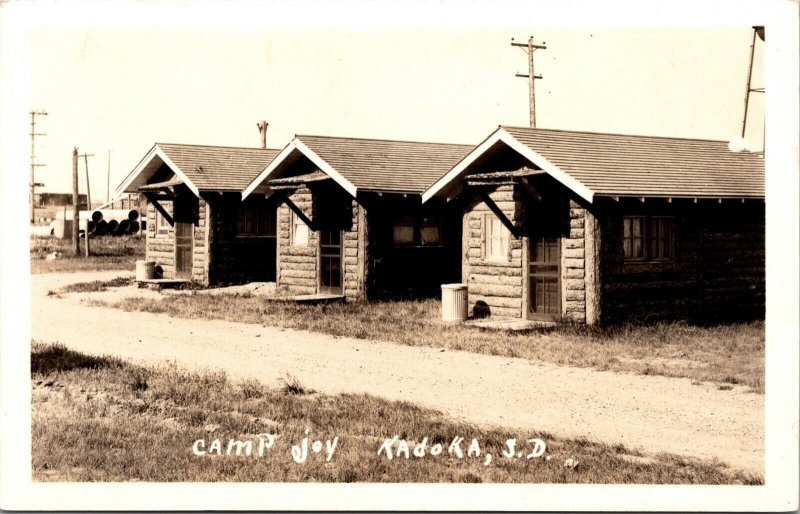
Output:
(154, 152)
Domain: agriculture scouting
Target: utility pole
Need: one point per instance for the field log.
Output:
(529, 48)
(33, 183)
(88, 190)
(757, 30)
(75, 215)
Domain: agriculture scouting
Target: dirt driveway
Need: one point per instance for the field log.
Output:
(649, 413)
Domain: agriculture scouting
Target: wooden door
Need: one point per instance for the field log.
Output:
(330, 245)
(545, 277)
(184, 234)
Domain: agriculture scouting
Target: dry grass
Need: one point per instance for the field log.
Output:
(99, 419)
(726, 354)
(107, 253)
(95, 286)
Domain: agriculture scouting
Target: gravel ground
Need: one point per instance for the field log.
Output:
(649, 413)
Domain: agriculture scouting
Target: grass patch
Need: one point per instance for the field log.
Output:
(731, 354)
(57, 358)
(292, 385)
(95, 286)
(99, 423)
(107, 253)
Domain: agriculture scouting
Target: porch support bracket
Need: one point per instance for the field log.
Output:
(515, 231)
(153, 198)
(295, 209)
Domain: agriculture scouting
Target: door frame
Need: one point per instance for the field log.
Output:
(321, 289)
(530, 314)
(184, 274)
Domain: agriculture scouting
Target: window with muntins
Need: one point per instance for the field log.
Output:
(256, 220)
(416, 229)
(403, 229)
(299, 231)
(648, 238)
(496, 238)
(162, 225)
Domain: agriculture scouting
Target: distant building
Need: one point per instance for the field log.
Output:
(46, 205)
(57, 200)
(127, 201)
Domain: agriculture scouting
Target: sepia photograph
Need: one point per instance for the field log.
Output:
(283, 256)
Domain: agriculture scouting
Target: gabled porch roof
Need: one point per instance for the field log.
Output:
(616, 165)
(374, 165)
(200, 167)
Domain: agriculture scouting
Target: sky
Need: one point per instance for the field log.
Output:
(123, 89)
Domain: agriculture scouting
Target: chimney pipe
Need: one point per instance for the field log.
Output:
(262, 130)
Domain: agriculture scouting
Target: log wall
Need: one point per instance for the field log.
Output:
(236, 259)
(200, 246)
(718, 272)
(298, 266)
(495, 287)
(573, 265)
(413, 271)
(353, 261)
(160, 247)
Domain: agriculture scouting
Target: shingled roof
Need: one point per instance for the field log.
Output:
(376, 165)
(201, 167)
(626, 165)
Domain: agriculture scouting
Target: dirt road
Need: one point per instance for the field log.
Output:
(649, 413)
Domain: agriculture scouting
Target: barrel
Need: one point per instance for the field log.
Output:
(145, 270)
(454, 302)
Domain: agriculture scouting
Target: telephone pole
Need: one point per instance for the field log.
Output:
(757, 31)
(33, 183)
(75, 215)
(88, 191)
(529, 48)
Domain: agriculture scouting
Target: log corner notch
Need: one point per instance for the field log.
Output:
(484, 196)
(593, 245)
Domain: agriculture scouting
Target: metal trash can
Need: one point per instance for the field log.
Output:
(454, 302)
(145, 270)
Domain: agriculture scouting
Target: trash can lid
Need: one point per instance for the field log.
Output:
(454, 286)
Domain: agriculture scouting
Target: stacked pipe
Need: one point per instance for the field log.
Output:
(116, 222)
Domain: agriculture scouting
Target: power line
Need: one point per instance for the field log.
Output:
(529, 48)
(34, 164)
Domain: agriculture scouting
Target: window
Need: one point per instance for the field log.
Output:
(403, 229)
(633, 229)
(496, 238)
(661, 238)
(429, 231)
(416, 229)
(299, 231)
(162, 225)
(648, 238)
(256, 220)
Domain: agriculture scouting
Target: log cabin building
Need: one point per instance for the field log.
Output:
(198, 228)
(350, 219)
(601, 228)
